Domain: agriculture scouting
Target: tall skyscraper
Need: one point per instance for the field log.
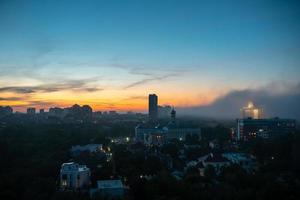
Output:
(153, 107)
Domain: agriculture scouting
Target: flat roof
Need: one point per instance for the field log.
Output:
(106, 184)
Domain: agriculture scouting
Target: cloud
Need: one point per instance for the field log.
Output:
(147, 80)
(275, 104)
(75, 85)
(11, 98)
(35, 103)
(137, 97)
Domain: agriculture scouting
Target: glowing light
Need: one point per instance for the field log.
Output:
(250, 105)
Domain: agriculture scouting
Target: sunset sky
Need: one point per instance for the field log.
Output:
(112, 54)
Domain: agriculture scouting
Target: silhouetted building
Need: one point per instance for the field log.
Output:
(31, 111)
(42, 111)
(181, 130)
(112, 112)
(57, 112)
(153, 108)
(5, 110)
(172, 130)
(266, 128)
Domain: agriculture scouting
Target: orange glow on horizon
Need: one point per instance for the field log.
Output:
(106, 104)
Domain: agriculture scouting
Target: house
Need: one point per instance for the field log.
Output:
(246, 161)
(74, 176)
(216, 160)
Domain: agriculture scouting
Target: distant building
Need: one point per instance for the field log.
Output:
(177, 130)
(109, 189)
(247, 128)
(153, 107)
(5, 110)
(56, 112)
(113, 112)
(246, 161)
(172, 130)
(42, 111)
(143, 132)
(250, 111)
(31, 111)
(156, 138)
(74, 176)
(217, 161)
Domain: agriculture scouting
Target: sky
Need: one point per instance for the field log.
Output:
(112, 54)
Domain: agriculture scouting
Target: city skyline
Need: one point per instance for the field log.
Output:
(111, 55)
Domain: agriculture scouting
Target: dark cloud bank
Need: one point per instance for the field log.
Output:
(75, 85)
(283, 105)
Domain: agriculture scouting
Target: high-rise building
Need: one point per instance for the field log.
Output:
(265, 128)
(251, 111)
(153, 107)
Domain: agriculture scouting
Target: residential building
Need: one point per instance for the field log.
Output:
(74, 176)
(246, 161)
(31, 111)
(216, 160)
(266, 128)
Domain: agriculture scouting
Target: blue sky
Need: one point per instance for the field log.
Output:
(194, 47)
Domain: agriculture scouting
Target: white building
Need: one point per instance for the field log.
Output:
(74, 176)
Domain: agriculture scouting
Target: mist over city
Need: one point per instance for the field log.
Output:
(152, 100)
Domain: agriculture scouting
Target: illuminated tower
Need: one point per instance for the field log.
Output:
(153, 107)
(250, 111)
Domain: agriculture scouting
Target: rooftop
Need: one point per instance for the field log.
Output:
(105, 184)
(71, 166)
(216, 158)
